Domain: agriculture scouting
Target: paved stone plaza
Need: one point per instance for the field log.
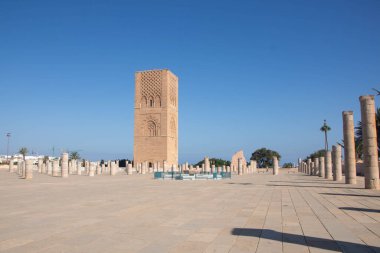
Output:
(250, 213)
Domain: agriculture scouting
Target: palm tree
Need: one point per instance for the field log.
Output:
(325, 128)
(74, 155)
(23, 151)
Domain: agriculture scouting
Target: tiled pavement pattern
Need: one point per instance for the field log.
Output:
(250, 213)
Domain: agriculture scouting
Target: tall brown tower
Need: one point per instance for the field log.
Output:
(156, 117)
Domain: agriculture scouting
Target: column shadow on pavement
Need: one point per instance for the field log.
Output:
(309, 241)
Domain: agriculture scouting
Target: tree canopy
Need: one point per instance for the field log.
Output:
(316, 154)
(217, 161)
(74, 155)
(264, 157)
(23, 151)
(287, 165)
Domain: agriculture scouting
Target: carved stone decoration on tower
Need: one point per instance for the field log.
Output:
(156, 117)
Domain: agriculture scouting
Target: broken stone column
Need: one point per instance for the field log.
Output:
(254, 166)
(349, 147)
(65, 165)
(113, 169)
(22, 166)
(328, 165)
(56, 168)
(316, 166)
(129, 169)
(72, 166)
(79, 167)
(207, 164)
(308, 168)
(11, 165)
(322, 166)
(28, 169)
(49, 167)
(98, 168)
(299, 165)
(370, 155)
(213, 168)
(337, 163)
(275, 165)
(40, 162)
(91, 172)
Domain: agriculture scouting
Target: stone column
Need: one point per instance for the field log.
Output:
(72, 166)
(11, 165)
(129, 169)
(113, 168)
(49, 167)
(22, 166)
(108, 168)
(254, 166)
(29, 169)
(164, 165)
(312, 168)
(316, 166)
(40, 162)
(308, 168)
(79, 167)
(91, 171)
(207, 164)
(275, 165)
(98, 168)
(55, 168)
(328, 165)
(322, 166)
(349, 147)
(337, 163)
(212, 168)
(65, 165)
(370, 155)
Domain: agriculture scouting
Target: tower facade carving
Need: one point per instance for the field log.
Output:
(156, 117)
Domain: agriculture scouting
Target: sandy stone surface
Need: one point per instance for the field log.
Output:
(250, 213)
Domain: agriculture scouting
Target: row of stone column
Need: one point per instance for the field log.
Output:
(64, 167)
(330, 166)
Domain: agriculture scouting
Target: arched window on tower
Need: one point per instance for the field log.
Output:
(152, 128)
(151, 102)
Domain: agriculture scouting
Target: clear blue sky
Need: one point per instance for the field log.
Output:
(252, 73)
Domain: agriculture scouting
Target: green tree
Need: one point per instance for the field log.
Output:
(23, 151)
(288, 165)
(316, 154)
(325, 128)
(264, 157)
(217, 161)
(74, 155)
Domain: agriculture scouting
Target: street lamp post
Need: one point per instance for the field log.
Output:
(8, 137)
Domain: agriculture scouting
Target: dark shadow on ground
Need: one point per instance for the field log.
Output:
(307, 182)
(359, 209)
(352, 195)
(310, 186)
(321, 243)
(241, 183)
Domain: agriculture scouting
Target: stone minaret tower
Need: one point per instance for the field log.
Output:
(156, 117)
